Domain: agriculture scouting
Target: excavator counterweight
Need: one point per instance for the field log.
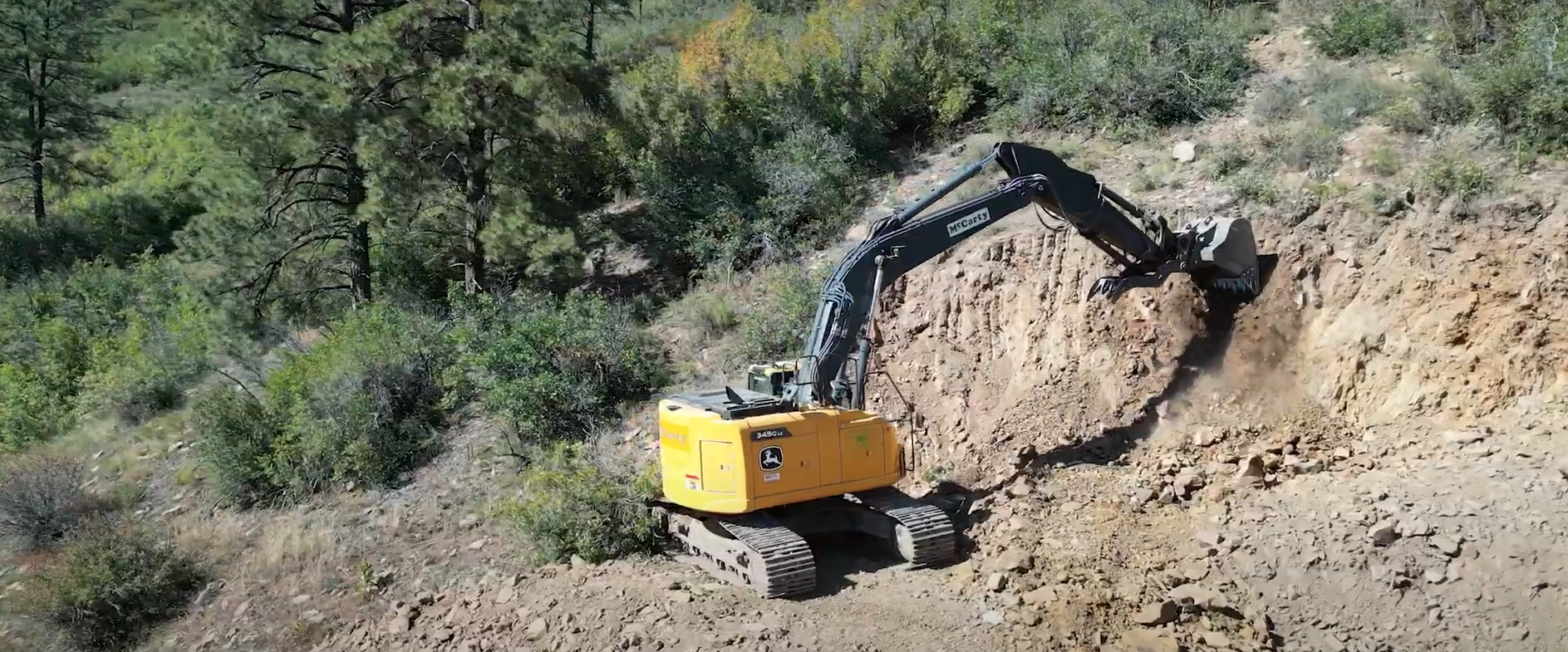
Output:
(749, 473)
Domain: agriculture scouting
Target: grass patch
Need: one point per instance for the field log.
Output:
(1225, 160)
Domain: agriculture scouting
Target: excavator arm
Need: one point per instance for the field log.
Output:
(1220, 254)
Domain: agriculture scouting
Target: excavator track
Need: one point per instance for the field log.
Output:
(754, 550)
(924, 534)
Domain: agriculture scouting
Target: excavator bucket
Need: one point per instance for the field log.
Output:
(1219, 254)
(1225, 255)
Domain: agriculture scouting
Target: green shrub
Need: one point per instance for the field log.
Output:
(1311, 147)
(1278, 100)
(776, 325)
(1520, 85)
(1358, 27)
(95, 338)
(1120, 63)
(1440, 97)
(146, 367)
(29, 411)
(571, 505)
(1341, 98)
(363, 406)
(711, 311)
(1254, 184)
(237, 433)
(41, 499)
(1450, 176)
(554, 368)
(111, 585)
(1225, 160)
(1384, 161)
(814, 189)
(1405, 116)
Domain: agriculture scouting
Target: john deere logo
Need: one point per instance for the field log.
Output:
(771, 458)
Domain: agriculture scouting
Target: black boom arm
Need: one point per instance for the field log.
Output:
(1146, 249)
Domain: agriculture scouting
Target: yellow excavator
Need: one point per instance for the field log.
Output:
(750, 475)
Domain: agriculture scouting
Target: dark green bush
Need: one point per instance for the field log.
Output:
(572, 505)
(775, 326)
(111, 585)
(1358, 27)
(1115, 63)
(813, 190)
(237, 433)
(363, 407)
(554, 368)
(1521, 85)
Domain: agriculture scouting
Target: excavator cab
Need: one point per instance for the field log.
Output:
(770, 379)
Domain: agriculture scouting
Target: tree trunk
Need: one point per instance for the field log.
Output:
(360, 272)
(35, 149)
(359, 258)
(476, 186)
(478, 196)
(593, 10)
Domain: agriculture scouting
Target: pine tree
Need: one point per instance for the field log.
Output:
(318, 72)
(47, 50)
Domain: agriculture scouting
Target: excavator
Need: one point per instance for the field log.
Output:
(750, 476)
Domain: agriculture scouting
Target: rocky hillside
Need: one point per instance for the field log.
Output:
(1368, 458)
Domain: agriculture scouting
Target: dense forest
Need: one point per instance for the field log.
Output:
(485, 202)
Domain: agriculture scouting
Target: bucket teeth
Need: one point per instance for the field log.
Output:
(1245, 285)
(1109, 287)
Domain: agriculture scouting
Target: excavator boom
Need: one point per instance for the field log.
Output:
(1220, 254)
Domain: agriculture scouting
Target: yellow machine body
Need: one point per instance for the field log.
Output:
(742, 464)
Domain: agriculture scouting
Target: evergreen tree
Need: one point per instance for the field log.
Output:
(318, 73)
(47, 53)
